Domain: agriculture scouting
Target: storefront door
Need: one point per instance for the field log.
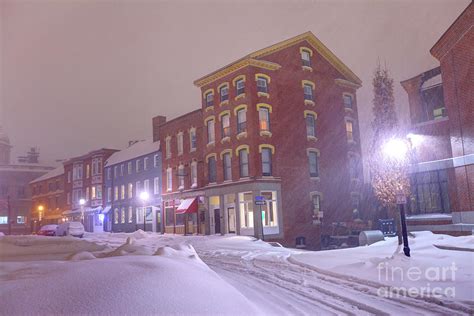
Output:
(232, 219)
(217, 221)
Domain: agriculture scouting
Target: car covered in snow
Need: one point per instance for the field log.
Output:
(75, 229)
(48, 230)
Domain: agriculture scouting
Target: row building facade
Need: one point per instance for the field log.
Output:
(281, 125)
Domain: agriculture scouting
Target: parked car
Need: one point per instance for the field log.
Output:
(75, 229)
(48, 230)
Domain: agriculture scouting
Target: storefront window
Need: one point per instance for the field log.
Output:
(269, 211)
(169, 212)
(246, 209)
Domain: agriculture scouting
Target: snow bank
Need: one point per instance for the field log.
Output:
(429, 268)
(133, 279)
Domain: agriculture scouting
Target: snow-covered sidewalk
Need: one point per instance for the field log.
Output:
(233, 275)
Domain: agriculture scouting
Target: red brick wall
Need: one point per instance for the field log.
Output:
(455, 52)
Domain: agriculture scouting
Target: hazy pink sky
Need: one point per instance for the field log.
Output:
(79, 75)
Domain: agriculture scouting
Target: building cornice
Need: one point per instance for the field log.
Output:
(347, 84)
(245, 62)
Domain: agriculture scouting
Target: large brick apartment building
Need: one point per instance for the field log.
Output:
(442, 116)
(279, 123)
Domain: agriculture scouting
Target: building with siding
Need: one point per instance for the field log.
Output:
(280, 123)
(441, 109)
(129, 173)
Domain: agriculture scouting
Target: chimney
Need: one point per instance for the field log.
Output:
(157, 122)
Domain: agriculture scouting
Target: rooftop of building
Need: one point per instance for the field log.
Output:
(52, 174)
(136, 150)
(252, 58)
(90, 154)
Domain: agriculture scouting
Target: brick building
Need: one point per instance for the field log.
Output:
(442, 116)
(129, 173)
(279, 123)
(48, 199)
(84, 179)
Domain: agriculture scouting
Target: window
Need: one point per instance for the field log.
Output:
(194, 174)
(169, 179)
(140, 218)
(122, 192)
(316, 201)
(224, 92)
(138, 165)
(354, 166)
(69, 177)
(313, 164)
(168, 147)
(129, 167)
(181, 177)
(246, 210)
(68, 198)
(146, 163)
(146, 185)
(115, 171)
(310, 125)
(244, 163)
(227, 162)
(306, 58)
(347, 101)
(137, 188)
(210, 98)
(264, 119)
(130, 190)
(266, 161)
(88, 171)
(349, 130)
(3, 219)
(241, 121)
(116, 216)
(269, 210)
(130, 214)
(92, 195)
(225, 125)
(109, 194)
(262, 85)
(122, 215)
(20, 219)
(308, 92)
(156, 161)
(156, 185)
(192, 139)
(430, 190)
(210, 132)
(109, 174)
(122, 170)
(211, 163)
(179, 140)
(116, 193)
(77, 172)
(240, 86)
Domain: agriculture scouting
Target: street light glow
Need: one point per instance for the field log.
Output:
(396, 149)
(144, 196)
(415, 139)
(82, 202)
(40, 208)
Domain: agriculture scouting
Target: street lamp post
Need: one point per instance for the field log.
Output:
(398, 151)
(144, 197)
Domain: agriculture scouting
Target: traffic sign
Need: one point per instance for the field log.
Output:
(259, 200)
(401, 198)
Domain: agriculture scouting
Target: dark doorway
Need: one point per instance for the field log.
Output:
(217, 221)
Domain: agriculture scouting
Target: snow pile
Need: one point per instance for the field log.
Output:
(133, 279)
(429, 269)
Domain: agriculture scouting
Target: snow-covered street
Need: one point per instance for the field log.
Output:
(233, 275)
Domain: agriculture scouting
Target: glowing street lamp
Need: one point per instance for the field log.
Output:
(144, 196)
(397, 149)
(40, 212)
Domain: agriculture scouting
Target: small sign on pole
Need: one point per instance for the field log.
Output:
(259, 200)
(401, 198)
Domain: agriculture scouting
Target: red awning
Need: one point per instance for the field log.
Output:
(188, 206)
